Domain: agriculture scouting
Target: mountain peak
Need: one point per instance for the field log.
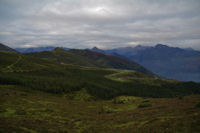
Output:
(95, 49)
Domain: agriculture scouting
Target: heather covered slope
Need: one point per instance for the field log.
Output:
(23, 110)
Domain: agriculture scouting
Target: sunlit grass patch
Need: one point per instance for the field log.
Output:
(126, 107)
(105, 109)
(125, 99)
(81, 95)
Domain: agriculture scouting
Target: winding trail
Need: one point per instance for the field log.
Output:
(112, 76)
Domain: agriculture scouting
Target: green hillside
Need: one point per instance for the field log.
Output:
(62, 56)
(89, 58)
(50, 76)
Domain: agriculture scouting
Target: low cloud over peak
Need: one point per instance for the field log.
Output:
(102, 23)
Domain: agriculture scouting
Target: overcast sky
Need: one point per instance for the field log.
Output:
(101, 23)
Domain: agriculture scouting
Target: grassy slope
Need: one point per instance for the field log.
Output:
(89, 58)
(52, 77)
(63, 56)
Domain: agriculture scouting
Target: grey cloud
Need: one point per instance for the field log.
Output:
(102, 23)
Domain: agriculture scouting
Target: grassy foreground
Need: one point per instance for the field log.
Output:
(30, 111)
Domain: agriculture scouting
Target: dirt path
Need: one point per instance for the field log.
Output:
(10, 67)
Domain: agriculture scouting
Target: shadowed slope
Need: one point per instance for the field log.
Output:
(6, 48)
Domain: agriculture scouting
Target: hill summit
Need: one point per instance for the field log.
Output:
(6, 48)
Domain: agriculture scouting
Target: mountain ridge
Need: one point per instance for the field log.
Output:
(89, 58)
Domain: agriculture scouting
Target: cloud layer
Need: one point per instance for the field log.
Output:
(101, 23)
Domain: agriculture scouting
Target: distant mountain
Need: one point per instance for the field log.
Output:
(36, 49)
(170, 62)
(189, 49)
(89, 58)
(128, 51)
(95, 49)
(6, 48)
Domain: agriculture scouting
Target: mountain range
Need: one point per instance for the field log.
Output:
(86, 58)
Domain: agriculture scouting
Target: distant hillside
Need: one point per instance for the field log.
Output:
(6, 48)
(89, 58)
(170, 62)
